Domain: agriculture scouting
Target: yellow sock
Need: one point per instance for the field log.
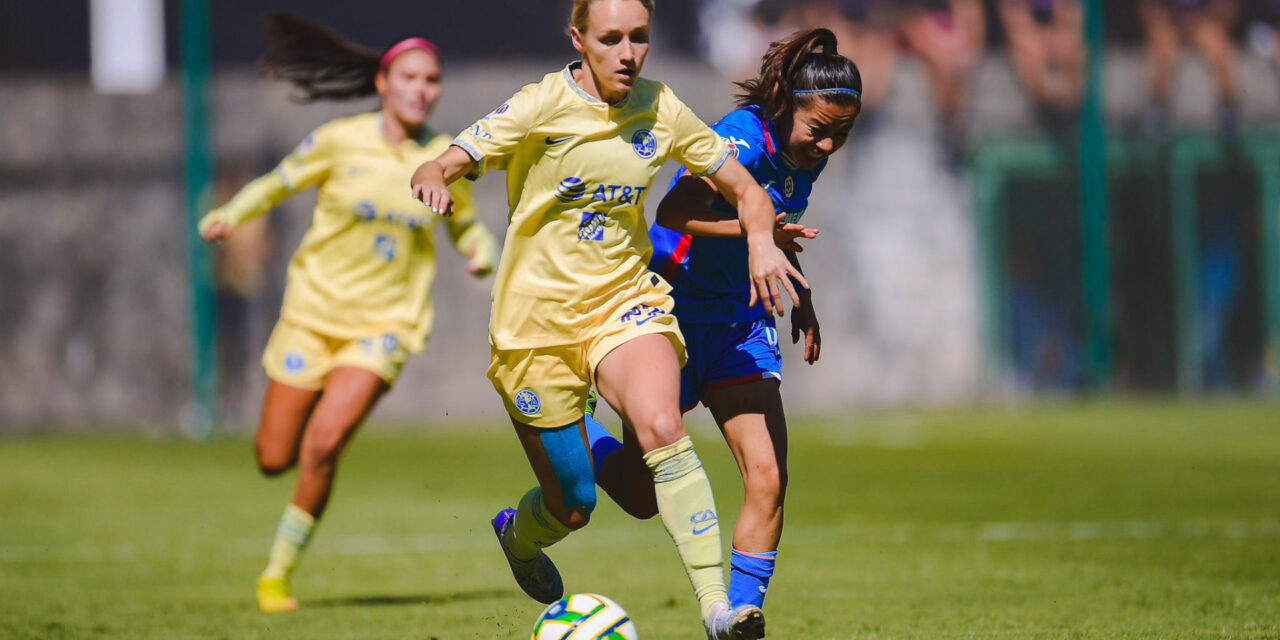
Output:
(688, 511)
(534, 528)
(291, 538)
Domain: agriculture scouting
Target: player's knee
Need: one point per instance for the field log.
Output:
(323, 444)
(665, 427)
(273, 460)
(765, 482)
(641, 506)
(273, 467)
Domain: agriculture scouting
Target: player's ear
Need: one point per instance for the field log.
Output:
(380, 82)
(576, 36)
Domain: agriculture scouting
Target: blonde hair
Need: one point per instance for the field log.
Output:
(578, 19)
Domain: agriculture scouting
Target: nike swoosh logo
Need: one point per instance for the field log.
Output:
(554, 141)
(698, 532)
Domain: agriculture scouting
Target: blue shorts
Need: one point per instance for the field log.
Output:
(724, 355)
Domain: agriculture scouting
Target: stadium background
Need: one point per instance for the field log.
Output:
(964, 464)
(95, 321)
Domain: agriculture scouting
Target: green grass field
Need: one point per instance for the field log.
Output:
(1134, 520)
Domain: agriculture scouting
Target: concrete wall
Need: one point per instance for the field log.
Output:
(93, 310)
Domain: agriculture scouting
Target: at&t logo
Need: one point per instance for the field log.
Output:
(571, 189)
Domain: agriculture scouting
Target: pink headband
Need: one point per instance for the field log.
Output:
(405, 45)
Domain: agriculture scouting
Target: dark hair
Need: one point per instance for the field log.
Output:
(804, 61)
(317, 60)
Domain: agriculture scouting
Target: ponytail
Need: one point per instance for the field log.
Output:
(318, 61)
(799, 69)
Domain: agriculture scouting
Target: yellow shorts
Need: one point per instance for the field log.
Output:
(548, 386)
(302, 358)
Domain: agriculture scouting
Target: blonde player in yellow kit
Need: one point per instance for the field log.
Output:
(574, 302)
(358, 298)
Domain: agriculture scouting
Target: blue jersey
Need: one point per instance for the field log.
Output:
(710, 274)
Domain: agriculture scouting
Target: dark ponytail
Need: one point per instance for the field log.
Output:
(799, 69)
(323, 64)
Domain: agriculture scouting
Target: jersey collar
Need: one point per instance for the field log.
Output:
(567, 74)
(420, 140)
(766, 129)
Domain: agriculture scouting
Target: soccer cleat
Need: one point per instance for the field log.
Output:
(273, 595)
(592, 400)
(538, 577)
(744, 623)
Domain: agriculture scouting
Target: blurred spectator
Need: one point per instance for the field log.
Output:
(1207, 24)
(735, 33)
(1046, 48)
(1269, 14)
(1219, 280)
(949, 37)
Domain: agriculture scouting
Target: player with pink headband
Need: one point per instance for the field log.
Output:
(357, 300)
(406, 45)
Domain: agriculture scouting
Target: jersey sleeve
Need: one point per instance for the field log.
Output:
(307, 165)
(255, 199)
(493, 138)
(694, 144)
(310, 161)
(742, 131)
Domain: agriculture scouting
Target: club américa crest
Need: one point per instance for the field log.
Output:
(645, 144)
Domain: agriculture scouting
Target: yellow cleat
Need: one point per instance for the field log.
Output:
(273, 595)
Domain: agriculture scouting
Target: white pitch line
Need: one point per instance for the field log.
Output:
(634, 536)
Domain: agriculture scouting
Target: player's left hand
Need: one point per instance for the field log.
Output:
(805, 321)
(786, 233)
(478, 265)
(217, 231)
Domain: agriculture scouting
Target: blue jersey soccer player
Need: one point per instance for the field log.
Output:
(793, 116)
(358, 297)
(574, 303)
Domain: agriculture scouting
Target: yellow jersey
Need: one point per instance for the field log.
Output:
(368, 261)
(578, 173)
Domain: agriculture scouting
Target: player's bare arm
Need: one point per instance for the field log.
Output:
(430, 182)
(770, 270)
(804, 319)
(687, 209)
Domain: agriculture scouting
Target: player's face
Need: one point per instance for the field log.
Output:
(614, 45)
(410, 87)
(818, 130)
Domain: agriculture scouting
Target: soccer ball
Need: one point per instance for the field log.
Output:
(584, 616)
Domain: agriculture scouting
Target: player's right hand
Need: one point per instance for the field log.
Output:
(769, 267)
(437, 197)
(785, 234)
(217, 231)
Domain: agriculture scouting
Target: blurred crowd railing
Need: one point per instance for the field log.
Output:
(948, 270)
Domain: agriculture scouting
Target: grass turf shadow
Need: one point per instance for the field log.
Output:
(410, 599)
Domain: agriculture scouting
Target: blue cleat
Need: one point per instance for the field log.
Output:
(538, 577)
(744, 623)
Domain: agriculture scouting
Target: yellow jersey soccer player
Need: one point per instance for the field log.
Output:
(358, 297)
(575, 304)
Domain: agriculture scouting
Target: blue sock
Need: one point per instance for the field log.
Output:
(602, 443)
(749, 577)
